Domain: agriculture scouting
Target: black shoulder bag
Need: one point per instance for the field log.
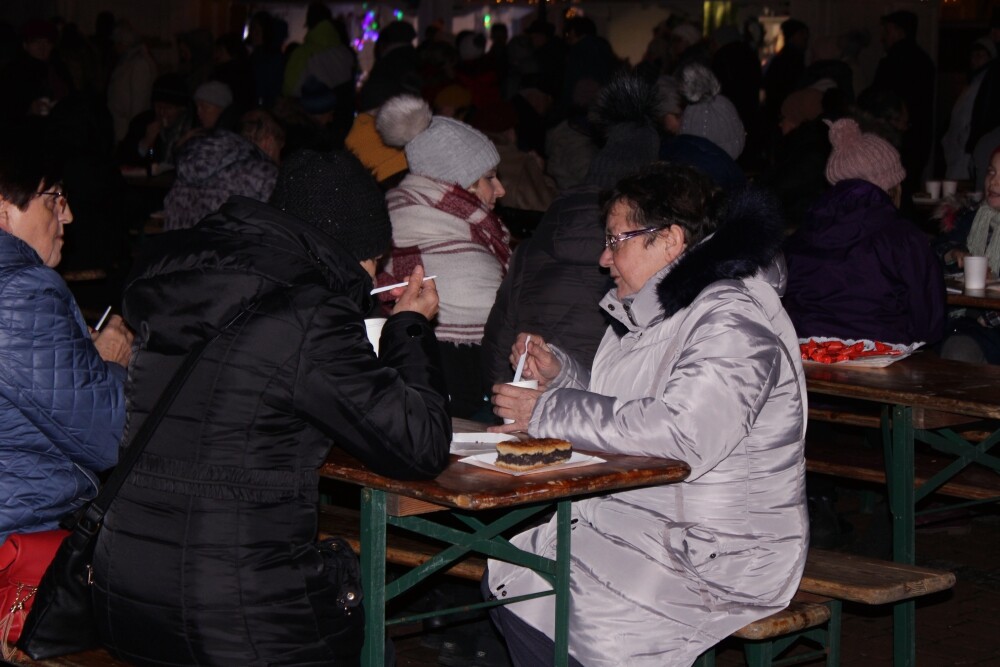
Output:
(62, 618)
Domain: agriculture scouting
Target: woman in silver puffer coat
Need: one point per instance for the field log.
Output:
(702, 366)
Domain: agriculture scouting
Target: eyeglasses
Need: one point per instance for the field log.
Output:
(58, 199)
(613, 241)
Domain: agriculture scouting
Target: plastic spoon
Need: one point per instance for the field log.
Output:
(521, 360)
(104, 317)
(386, 288)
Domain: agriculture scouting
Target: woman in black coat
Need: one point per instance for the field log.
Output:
(207, 555)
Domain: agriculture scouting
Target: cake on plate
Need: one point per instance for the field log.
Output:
(521, 455)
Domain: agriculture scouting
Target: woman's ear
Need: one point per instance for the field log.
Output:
(677, 236)
(675, 243)
(5, 215)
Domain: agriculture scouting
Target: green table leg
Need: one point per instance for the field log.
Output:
(373, 528)
(901, 502)
(563, 531)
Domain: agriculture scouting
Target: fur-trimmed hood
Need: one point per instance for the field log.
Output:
(747, 242)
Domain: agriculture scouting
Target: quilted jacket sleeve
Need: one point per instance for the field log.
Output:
(390, 412)
(727, 367)
(53, 373)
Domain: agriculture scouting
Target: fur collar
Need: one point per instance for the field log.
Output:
(746, 241)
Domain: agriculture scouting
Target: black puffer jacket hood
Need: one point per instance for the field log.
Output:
(214, 271)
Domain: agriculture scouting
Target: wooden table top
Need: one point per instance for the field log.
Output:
(984, 299)
(467, 487)
(922, 380)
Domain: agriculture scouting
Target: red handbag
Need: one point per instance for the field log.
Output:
(24, 557)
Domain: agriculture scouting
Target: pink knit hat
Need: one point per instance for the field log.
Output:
(866, 156)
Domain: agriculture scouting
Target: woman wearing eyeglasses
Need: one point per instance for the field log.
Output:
(702, 366)
(61, 403)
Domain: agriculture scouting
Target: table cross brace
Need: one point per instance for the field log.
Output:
(948, 441)
(483, 540)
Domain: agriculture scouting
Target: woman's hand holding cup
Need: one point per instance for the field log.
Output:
(514, 402)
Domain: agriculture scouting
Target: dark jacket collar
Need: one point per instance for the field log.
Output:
(746, 242)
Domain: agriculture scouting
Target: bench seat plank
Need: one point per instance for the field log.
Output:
(803, 612)
(828, 454)
(869, 580)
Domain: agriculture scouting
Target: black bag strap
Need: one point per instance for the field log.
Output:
(94, 515)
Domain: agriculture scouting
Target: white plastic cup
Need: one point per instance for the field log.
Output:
(374, 329)
(527, 384)
(934, 189)
(975, 272)
(949, 188)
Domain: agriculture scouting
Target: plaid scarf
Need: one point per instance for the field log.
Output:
(449, 231)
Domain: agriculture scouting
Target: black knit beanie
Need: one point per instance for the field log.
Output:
(334, 193)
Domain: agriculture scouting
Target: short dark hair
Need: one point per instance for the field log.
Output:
(664, 194)
(24, 165)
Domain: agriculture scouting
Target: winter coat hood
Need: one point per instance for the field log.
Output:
(848, 213)
(215, 271)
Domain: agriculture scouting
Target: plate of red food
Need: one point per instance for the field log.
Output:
(853, 352)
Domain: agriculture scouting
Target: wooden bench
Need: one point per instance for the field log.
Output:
(803, 619)
(827, 453)
(829, 578)
(828, 456)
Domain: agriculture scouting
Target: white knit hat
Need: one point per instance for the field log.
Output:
(709, 114)
(436, 146)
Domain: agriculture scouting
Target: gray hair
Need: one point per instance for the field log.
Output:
(670, 95)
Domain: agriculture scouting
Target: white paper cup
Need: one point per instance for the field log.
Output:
(374, 328)
(949, 188)
(934, 189)
(975, 272)
(527, 384)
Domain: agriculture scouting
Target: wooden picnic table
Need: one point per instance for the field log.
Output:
(462, 491)
(923, 398)
(983, 299)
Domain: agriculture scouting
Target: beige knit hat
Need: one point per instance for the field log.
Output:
(861, 155)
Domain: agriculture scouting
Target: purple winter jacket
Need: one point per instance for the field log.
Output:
(857, 269)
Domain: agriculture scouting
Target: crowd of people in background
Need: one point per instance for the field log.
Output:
(777, 198)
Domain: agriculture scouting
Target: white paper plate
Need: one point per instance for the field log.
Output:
(464, 444)
(576, 460)
(880, 361)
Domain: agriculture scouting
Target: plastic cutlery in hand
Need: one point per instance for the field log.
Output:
(521, 360)
(386, 288)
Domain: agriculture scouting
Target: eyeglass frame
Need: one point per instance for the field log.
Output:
(57, 195)
(611, 241)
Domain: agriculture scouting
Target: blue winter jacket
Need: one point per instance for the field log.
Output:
(62, 407)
